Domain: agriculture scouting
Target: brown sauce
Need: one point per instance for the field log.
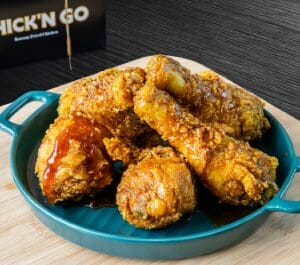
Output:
(218, 214)
(83, 131)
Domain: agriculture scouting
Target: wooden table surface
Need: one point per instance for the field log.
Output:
(255, 43)
(25, 240)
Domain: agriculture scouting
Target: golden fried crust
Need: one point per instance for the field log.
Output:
(232, 105)
(121, 150)
(125, 85)
(210, 98)
(167, 73)
(72, 160)
(157, 190)
(97, 98)
(222, 163)
(240, 175)
(75, 97)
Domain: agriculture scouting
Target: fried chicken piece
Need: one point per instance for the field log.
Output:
(72, 160)
(232, 170)
(103, 98)
(121, 150)
(156, 191)
(210, 98)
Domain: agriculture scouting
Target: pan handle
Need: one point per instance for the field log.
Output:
(278, 204)
(12, 128)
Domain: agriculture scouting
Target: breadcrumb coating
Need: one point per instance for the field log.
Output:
(156, 191)
(103, 98)
(232, 170)
(208, 97)
(72, 160)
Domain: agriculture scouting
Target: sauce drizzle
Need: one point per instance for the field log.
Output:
(83, 131)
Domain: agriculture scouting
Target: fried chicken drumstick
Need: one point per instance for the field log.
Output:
(210, 98)
(72, 161)
(97, 98)
(157, 190)
(232, 170)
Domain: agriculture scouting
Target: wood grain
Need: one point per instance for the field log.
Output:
(255, 43)
(24, 240)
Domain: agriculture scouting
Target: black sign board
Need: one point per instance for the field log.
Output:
(39, 29)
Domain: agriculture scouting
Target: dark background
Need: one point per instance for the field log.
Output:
(254, 43)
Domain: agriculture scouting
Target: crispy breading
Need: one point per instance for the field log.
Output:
(232, 170)
(103, 98)
(208, 97)
(72, 160)
(99, 101)
(121, 150)
(156, 191)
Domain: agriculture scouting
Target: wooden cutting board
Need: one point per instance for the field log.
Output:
(25, 240)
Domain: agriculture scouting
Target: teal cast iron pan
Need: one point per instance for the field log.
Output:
(104, 230)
